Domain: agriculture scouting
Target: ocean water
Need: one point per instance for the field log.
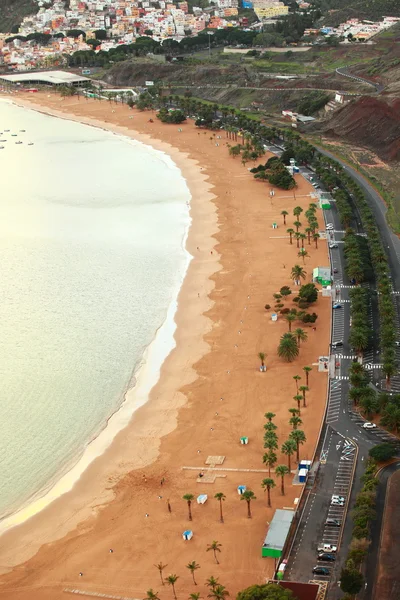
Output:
(92, 235)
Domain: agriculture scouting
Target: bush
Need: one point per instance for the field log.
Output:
(285, 311)
(351, 581)
(267, 306)
(308, 293)
(269, 591)
(382, 452)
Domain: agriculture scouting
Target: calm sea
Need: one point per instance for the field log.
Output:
(92, 235)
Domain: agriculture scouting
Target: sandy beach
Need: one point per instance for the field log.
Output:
(210, 393)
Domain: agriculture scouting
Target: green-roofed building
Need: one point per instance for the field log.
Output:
(322, 275)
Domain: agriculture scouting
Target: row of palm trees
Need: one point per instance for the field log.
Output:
(310, 231)
(216, 590)
(350, 193)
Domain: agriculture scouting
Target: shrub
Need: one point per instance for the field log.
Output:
(267, 306)
(382, 452)
(285, 311)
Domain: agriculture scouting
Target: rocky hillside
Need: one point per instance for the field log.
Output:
(13, 11)
(372, 122)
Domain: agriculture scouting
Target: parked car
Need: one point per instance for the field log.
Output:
(336, 270)
(337, 500)
(327, 548)
(330, 226)
(326, 557)
(337, 306)
(333, 522)
(321, 571)
(369, 425)
(333, 245)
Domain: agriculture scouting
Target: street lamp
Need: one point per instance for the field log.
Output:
(209, 33)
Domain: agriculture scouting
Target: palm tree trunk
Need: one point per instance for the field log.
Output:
(297, 452)
(190, 512)
(248, 510)
(290, 238)
(288, 456)
(221, 517)
(215, 556)
(194, 581)
(282, 487)
(161, 577)
(269, 496)
(173, 589)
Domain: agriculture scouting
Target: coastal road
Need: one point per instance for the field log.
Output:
(378, 87)
(376, 531)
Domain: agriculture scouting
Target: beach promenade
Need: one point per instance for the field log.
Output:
(210, 394)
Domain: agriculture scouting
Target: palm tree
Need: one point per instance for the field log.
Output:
(218, 593)
(160, 566)
(301, 335)
(269, 416)
(307, 371)
(316, 237)
(297, 379)
(290, 232)
(297, 235)
(297, 224)
(268, 484)
(193, 566)
(299, 437)
(194, 596)
(281, 471)
(290, 317)
(221, 498)
(151, 595)
(295, 421)
(284, 213)
(214, 547)
(288, 348)
(211, 582)
(297, 211)
(302, 238)
(261, 356)
(269, 459)
(288, 448)
(304, 389)
(298, 398)
(389, 369)
(270, 440)
(248, 496)
(303, 254)
(297, 273)
(294, 411)
(171, 580)
(189, 498)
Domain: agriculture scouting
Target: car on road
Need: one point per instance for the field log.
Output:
(333, 245)
(321, 571)
(337, 344)
(329, 226)
(397, 343)
(369, 425)
(327, 548)
(337, 500)
(337, 306)
(335, 270)
(326, 557)
(333, 522)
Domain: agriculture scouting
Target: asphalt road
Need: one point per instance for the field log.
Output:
(378, 87)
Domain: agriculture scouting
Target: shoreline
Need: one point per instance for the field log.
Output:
(210, 393)
(135, 396)
(144, 377)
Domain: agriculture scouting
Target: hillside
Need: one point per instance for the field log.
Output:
(371, 122)
(13, 11)
(341, 10)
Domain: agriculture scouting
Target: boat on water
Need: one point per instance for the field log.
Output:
(30, 144)
(18, 142)
(14, 135)
(2, 147)
(6, 131)
(22, 130)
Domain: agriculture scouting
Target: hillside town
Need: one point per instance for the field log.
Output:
(103, 25)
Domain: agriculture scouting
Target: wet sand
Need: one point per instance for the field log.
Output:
(210, 393)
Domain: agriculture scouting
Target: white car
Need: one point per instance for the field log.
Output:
(369, 425)
(337, 501)
(327, 548)
(330, 226)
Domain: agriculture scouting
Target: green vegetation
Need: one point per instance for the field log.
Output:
(275, 171)
(312, 102)
(382, 452)
(171, 116)
(269, 591)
